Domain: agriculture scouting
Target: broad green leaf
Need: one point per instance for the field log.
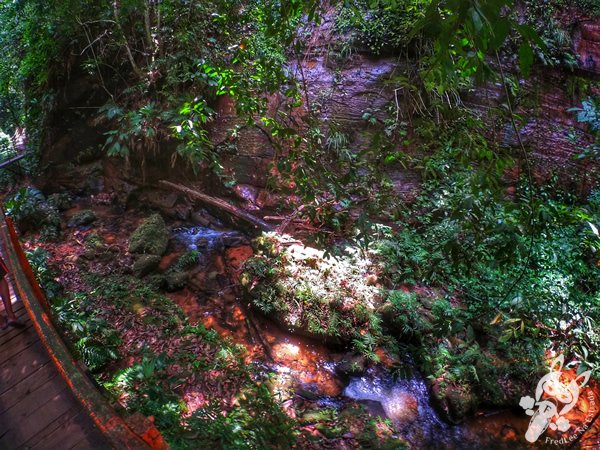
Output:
(525, 58)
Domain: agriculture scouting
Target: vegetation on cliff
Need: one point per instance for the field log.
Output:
(485, 265)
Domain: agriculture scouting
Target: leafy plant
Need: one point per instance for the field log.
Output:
(31, 212)
(45, 275)
(96, 342)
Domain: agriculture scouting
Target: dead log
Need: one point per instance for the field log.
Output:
(221, 204)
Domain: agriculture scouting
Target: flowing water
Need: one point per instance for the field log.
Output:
(308, 369)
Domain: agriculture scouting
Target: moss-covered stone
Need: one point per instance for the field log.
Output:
(61, 201)
(82, 218)
(352, 364)
(175, 281)
(145, 264)
(151, 237)
(315, 296)
(455, 402)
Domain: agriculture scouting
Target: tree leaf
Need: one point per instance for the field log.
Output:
(525, 58)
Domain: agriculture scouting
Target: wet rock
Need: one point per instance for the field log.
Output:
(82, 218)
(181, 212)
(85, 178)
(159, 199)
(202, 242)
(351, 365)
(201, 218)
(268, 199)
(324, 415)
(307, 394)
(404, 408)
(509, 433)
(233, 240)
(175, 281)
(246, 192)
(145, 264)
(209, 283)
(587, 45)
(151, 237)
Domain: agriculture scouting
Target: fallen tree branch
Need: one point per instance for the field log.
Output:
(221, 204)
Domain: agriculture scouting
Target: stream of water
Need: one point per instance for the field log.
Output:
(311, 368)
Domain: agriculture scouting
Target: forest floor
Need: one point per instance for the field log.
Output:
(326, 407)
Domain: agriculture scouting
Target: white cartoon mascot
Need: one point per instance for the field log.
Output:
(556, 393)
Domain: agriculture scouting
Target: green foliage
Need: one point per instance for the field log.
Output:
(478, 244)
(139, 129)
(132, 294)
(152, 387)
(591, 7)
(150, 392)
(61, 201)
(187, 260)
(407, 314)
(34, 35)
(256, 422)
(95, 341)
(151, 237)
(589, 113)
(329, 298)
(382, 28)
(465, 33)
(31, 212)
(370, 431)
(558, 47)
(38, 259)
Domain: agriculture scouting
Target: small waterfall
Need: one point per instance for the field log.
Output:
(405, 401)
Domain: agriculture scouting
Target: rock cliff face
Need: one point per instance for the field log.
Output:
(340, 90)
(586, 40)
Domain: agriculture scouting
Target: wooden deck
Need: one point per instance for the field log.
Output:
(37, 409)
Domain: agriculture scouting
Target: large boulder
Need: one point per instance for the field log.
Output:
(145, 264)
(82, 218)
(151, 237)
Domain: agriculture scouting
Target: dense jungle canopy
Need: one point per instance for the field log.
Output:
(305, 224)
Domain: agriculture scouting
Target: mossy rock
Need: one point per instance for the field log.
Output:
(175, 281)
(151, 237)
(61, 201)
(82, 218)
(455, 402)
(351, 365)
(145, 264)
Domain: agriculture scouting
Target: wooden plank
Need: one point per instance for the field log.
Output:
(72, 433)
(21, 365)
(37, 413)
(16, 305)
(114, 428)
(25, 339)
(59, 425)
(19, 310)
(27, 385)
(11, 333)
(91, 442)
